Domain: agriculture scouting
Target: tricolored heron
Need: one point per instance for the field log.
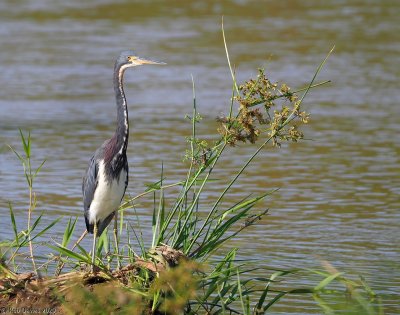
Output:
(106, 178)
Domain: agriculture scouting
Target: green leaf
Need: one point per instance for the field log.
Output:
(154, 186)
(33, 226)
(46, 228)
(274, 300)
(102, 243)
(84, 251)
(69, 230)
(26, 143)
(39, 168)
(302, 291)
(69, 253)
(13, 223)
(17, 154)
(239, 287)
(327, 280)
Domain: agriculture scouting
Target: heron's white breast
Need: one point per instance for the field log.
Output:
(107, 196)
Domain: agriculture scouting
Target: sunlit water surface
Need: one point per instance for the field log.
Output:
(339, 191)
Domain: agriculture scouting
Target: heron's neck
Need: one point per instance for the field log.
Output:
(122, 132)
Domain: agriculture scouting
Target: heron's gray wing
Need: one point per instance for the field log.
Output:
(89, 185)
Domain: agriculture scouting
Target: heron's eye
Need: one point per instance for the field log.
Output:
(132, 58)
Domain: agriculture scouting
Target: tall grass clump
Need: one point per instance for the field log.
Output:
(27, 236)
(187, 267)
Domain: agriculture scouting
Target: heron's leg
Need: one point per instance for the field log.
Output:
(94, 246)
(116, 239)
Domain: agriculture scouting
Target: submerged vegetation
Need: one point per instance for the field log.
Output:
(186, 269)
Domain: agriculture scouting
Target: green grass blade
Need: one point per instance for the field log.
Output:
(33, 226)
(140, 239)
(13, 223)
(157, 214)
(206, 221)
(266, 290)
(84, 252)
(26, 143)
(239, 287)
(69, 253)
(327, 280)
(227, 57)
(39, 168)
(46, 228)
(316, 73)
(274, 300)
(69, 230)
(17, 154)
(102, 243)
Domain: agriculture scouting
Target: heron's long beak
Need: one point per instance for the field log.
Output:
(142, 61)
